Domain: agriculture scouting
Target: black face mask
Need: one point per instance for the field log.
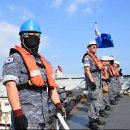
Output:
(32, 42)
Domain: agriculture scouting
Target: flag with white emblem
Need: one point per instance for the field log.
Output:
(104, 40)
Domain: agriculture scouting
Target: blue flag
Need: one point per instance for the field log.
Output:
(104, 40)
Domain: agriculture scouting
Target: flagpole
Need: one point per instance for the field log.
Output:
(95, 25)
(96, 30)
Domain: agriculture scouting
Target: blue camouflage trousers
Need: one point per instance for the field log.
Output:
(119, 84)
(106, 99)
(94, 103)
(113, 88)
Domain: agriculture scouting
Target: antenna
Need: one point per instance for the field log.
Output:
(95, 25)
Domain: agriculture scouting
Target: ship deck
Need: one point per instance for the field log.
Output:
(119, 118)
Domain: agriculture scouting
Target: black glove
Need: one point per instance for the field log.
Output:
(93, 85)
(60, 109)
(120, 72)
(20, 120)
(21, 123)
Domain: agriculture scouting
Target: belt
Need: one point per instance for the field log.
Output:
(31, 87)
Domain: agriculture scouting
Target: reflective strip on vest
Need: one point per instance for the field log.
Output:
(35, 73)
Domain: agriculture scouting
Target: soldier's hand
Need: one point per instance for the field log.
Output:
(20, 120)
(93, 85)
(109, 80)
(120, 72)
(60, 109)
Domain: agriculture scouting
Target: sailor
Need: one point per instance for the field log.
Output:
(102, 95)
(113, 84)
(106, 84)
(119, 78)
(92, 70)
(28, 79)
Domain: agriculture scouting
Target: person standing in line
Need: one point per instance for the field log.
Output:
(27, 76)
(92, 71)
(119, 70)
(113, 84)
(105, 84)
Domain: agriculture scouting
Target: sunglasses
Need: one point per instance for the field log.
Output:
(94, 47)
(31, 34)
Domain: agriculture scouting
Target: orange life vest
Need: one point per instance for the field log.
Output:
(116, 72)
(112, 70)
(34, 72)
(95, 59)
(104, 72)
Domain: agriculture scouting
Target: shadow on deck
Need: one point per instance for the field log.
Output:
(119, 118)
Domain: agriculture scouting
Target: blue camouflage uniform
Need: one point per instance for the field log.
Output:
(34, 101)
(94, 96)
(119, 85)
(113, 88)
(106, 100)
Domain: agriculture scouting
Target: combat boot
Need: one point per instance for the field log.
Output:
(102, 113)
(93, 125)
(116, 98)
(108, 108)
(119, 96)
(112, 102)
(100, 122)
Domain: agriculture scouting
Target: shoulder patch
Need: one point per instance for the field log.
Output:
(9, 60)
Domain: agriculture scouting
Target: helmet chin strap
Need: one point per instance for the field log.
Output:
(25, 46)
(35, 54)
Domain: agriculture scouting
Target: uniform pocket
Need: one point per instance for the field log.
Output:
(93, 95)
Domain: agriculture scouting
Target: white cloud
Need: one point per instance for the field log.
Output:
(56, 3)
(88, 11)
(73, 7)
(22, 12)
(81, 1)
(12, 8)
(9, 37)
(26, 14)
(87, 6)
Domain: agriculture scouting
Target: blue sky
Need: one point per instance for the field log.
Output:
(67, 26)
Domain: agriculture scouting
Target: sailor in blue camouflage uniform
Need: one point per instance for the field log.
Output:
(105, 84)
(113, 85)
(93, 83)
(29, 103)
(119, 70)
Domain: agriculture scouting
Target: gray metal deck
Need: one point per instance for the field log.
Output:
(119, 118)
